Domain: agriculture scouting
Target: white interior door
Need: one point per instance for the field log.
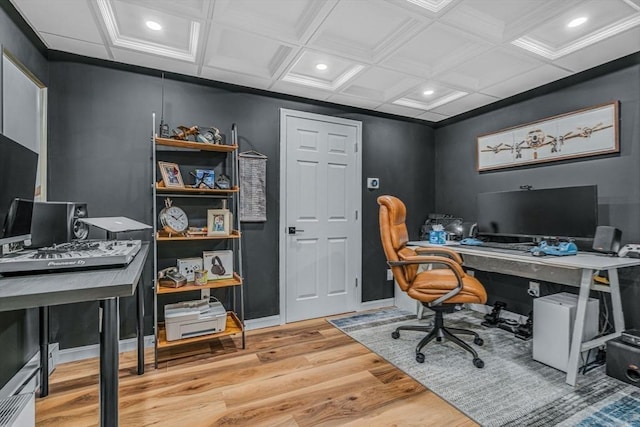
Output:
(321, 226)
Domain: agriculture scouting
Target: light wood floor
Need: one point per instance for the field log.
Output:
(302, 374)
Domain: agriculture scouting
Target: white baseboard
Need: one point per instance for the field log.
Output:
(262, 322)
(379, 303)
(89, 351)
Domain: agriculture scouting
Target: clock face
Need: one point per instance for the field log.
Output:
(175, 219)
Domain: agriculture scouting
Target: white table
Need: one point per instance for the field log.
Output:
(574, 270)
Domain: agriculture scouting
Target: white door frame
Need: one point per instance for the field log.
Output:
(282, 240)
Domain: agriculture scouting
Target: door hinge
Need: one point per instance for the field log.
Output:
(356, 282)
(356, 215)
(356, 147)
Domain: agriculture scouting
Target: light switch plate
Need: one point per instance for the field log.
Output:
(373, 183)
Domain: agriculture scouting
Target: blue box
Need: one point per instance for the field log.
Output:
(438, 237)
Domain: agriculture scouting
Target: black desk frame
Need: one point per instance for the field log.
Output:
(104, 285)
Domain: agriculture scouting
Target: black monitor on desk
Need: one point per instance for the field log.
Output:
(566, 212)
(18, 166)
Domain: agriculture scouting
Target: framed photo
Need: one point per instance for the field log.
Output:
(218, 222)
(205, 178)
(588, 132)
(171, 175)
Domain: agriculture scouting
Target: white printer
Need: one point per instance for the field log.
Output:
(194, 318)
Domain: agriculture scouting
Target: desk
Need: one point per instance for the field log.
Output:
(575, 270)
(105, 285)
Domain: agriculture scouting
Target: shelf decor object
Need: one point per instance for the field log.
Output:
(171, 175)
(587, 132)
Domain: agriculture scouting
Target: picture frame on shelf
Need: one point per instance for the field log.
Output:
(218, 222)
(171, 176)
(204, 178)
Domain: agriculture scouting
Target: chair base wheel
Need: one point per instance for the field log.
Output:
(395, 335)
(419, 357)
(478, 341)
(478, 363)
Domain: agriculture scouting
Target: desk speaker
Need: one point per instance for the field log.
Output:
(57, 222)
(623, 361)
(607, 239)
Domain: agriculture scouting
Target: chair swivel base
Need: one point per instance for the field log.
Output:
(438, 331)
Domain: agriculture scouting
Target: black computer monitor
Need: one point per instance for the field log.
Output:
(566, 212)
(18, 166)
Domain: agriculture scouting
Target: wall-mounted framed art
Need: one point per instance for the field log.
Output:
(588, 132)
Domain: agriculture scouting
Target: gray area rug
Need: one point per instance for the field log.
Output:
(511, 390)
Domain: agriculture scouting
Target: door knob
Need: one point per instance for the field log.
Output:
(293, 230)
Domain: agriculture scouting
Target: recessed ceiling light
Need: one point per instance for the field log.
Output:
(153, 25)
(321, 67)
(577, 22)
(428, 92)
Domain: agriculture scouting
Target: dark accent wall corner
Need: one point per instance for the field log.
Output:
(617, 176)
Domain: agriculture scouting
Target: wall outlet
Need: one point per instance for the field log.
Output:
(389, 274)
(534, 289)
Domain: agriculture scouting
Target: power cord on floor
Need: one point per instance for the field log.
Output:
(601, 358)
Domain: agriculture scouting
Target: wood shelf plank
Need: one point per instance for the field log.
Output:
(160, 188)
(168, 142)
(236, 280)
(235, 234)
(234, 326)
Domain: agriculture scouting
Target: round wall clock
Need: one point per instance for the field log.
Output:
(173, 219)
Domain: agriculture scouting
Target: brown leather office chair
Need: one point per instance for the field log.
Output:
(438, 289)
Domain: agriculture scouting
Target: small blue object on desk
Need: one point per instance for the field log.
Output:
(561, 249)
(470, 241)
(438, 237)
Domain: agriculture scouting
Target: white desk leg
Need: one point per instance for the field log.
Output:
(578, 326)
(616, 300)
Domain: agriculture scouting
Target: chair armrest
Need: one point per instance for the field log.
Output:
(439, 251)
(448, 262)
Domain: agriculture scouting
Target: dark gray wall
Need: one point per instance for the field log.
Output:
(617, 176)
(99, 142)
(19, 329)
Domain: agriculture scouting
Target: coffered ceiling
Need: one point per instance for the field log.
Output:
(425, 59)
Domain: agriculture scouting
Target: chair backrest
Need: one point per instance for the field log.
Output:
(394, 236)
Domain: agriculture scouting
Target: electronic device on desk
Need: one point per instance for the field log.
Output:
(18, 166)
(79, 254)
(567, 212)
(607, 240)
(58, 222)
(451, 225)
(561, 249)
(470, 241)
(194, 318)
(630, 250)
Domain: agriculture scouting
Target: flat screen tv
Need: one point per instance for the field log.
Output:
(18, 166)
(566, 212)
